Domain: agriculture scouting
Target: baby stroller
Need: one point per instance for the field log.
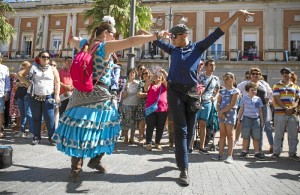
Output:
(212, 126)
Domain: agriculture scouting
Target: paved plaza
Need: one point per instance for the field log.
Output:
(43, 170)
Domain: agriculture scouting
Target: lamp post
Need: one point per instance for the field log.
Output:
(130, 55)
(170, 18)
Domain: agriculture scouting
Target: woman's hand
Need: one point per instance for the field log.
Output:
(57, 99)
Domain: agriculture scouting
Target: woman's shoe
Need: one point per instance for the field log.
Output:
(158, 147)
(149, 147)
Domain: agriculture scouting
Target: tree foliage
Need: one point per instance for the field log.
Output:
(6, 29)
(120, 10)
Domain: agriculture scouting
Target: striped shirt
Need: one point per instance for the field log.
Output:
(288, 94)
(251, 106)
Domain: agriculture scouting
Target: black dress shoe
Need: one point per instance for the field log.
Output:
(184, 179)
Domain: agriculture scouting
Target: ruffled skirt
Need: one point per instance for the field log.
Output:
(87, 131)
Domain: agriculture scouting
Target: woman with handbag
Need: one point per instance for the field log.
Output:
(23, 105)
(156, 108)
(43, 94)
(142, 95)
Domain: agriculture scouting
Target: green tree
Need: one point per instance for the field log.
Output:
(120, 10)
(6, 29)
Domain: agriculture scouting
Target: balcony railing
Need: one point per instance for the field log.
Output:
(232, 55)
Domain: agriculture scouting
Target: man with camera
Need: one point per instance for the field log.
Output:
(211, 85)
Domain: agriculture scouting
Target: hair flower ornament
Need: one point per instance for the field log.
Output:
(109, 20)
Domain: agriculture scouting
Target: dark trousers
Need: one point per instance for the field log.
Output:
(158, 120)
(63, 106)
(184, 123)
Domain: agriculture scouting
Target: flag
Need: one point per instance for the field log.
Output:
(70, 33)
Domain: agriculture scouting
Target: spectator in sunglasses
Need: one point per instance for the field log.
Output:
(185, 58)
(99, 127)
(264, 91)
(286, 96)
(44, 85)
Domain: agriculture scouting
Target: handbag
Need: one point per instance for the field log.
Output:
(153, 107)
(195, 100)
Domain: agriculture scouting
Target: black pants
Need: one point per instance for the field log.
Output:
(63, 106)
(158, 120)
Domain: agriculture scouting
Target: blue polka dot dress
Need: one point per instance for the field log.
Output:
(231, 115)
(89, 130)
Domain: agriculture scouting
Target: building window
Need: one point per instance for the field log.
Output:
(28, 24)
(217, 19)
(296, 18)
(57, 23)
(87, 22)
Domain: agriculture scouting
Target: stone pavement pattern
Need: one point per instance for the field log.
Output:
(43, 170)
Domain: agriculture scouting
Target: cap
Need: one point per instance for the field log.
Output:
(287, 69)
(179, 28)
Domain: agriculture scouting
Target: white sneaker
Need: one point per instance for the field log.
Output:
(35, 142)
(20, 134)
(29, 136)
(229, 160)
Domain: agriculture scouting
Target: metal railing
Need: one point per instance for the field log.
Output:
(232, 55)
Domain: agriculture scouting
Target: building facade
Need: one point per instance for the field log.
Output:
(271, 35)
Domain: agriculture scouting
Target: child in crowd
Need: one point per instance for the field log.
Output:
(252, 121)
(227, 106)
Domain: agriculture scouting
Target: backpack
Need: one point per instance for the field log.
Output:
(82, 69)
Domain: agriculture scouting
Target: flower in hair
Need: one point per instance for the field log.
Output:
(109, 20)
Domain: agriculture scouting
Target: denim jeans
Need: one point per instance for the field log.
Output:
(291, 124)
(39, 109)
(25, 113)
(184, 125)
(267, 129)
(158, 120)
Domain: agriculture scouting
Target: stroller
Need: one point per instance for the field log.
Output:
(212, 126)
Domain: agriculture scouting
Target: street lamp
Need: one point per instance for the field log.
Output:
(130, 62)
(170, 17)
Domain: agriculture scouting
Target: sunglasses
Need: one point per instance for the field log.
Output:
(45, 57)
(255, 73)
(174, 36)
(112, 32)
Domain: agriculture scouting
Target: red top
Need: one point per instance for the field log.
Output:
(65, 78)
(152, 96)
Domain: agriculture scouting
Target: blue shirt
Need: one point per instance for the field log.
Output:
(115, 75)
(251, 106)
(185, 61)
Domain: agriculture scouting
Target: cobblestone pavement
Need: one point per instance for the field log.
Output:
(43, 170)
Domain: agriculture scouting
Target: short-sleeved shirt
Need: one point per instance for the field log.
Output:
(214, 85)
(152, 97)
(288, 94)
(263, 90)
(132, 99)
(251, 106)
(65, 78)
(227, 96)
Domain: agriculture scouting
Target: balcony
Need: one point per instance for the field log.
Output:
(232, 55)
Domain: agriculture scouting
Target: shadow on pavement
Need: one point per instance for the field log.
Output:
(61, 175)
